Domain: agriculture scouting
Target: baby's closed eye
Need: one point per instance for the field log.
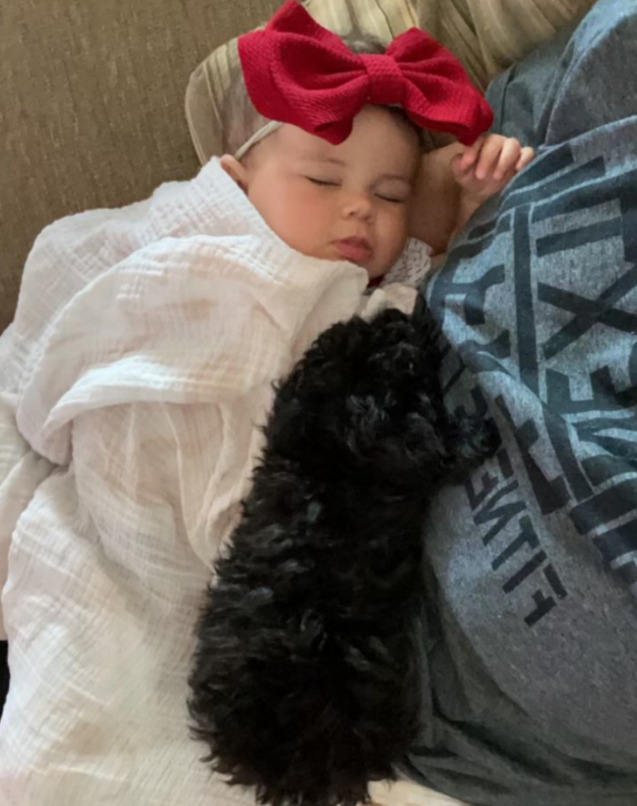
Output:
(393, 199)
(325, 182)
(395, 190)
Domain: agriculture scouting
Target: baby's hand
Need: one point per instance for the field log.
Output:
(488, 165)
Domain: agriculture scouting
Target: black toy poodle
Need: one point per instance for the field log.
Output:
(305, 683)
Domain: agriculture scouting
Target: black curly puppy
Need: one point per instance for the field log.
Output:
(304, 683)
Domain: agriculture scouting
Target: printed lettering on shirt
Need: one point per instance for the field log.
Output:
(544, 340)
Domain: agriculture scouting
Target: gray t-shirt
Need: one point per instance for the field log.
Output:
(530, 650)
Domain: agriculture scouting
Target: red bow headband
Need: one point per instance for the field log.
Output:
(298, 72)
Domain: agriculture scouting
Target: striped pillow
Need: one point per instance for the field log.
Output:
(489, 35)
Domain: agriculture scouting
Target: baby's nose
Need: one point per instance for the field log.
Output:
(358, 205)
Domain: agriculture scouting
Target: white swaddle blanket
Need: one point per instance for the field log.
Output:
(133, 383)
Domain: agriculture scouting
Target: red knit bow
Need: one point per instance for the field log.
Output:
(298, 72)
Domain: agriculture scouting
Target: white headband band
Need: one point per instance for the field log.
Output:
(264, 131)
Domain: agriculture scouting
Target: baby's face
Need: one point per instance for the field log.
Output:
(344, 202)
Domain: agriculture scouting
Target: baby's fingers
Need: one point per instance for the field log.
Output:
(469, 155)
(489, 157)
(508, 159)
(526, 155)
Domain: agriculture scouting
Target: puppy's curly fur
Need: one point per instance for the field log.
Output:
(304, 683)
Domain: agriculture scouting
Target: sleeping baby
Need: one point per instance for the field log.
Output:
(328, 147)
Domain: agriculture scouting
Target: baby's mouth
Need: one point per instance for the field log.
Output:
(356, 250)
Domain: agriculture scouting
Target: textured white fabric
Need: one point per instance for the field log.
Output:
(412, 267)
(132, 383)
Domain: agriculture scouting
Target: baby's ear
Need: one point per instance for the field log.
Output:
(235, 170)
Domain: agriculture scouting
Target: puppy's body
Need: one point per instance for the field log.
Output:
(304, 683)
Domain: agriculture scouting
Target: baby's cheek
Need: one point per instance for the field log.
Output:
(292, 217)
(307, 230)
(394, 231)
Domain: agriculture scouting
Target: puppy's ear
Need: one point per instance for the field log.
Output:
(235, 170)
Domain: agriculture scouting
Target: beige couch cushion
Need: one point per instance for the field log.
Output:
(91, 106)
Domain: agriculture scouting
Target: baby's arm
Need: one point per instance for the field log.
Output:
(455, 181)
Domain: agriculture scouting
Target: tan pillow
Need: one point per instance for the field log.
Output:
(486, 35)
